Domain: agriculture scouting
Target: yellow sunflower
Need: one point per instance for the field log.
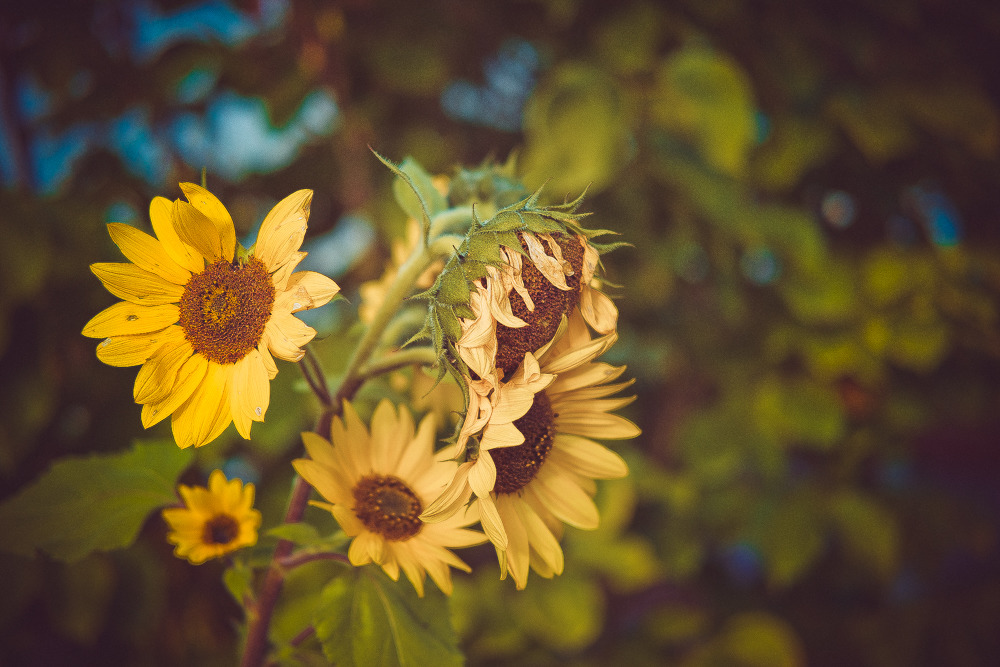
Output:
(536, 463)
(214, 521)
(557, 277)
(203, 316)
(378, 483)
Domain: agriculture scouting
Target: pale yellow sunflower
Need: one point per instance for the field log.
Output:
(203, 316)
(537, 461)
(557, 277)
(214, 521)
(378, 483)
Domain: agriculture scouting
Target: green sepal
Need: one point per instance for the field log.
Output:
(422, 210)
(93, 503)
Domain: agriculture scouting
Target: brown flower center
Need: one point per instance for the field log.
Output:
(517, 466)
(221, 529)
(551, 303)
(387, 506)
(225, 307)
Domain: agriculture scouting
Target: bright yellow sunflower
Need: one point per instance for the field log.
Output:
(203, 316)
(214, 521)
(537, 461)
(378, 483)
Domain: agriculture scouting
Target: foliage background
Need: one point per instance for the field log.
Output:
(810, 307)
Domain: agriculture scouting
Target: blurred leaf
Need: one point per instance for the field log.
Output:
(874, 122)
(238, 580)
(758, 639)
(96, 503)
(956, 110)
(408, 199)
(919, 346)
(791, 539)
(299, 533)
(366, 619)
(628, 41)
(565, 612)
(676, 624)
(868, 530)
(824, 296)
(795, 145)
(706, 96)
(798, 413)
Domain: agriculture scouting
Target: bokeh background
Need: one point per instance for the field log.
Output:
(810, 307)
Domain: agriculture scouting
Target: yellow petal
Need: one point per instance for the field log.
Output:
(156, 378)
(267, 359)
(281, 276)
(127, 281)
(188, 378)
(283, 230)
(147, 253)
(210, 206)
(204, 416)
(161, 214)
(483, 475)
(308, 289)
(492, 524)
(541, 540)
(125, 318)
(196, 230)
(250, 392)
(517, 556)
(565, 499)
(598, 425)
(130, 350)
(285, 336)
(598, 310)
(586, 457)
(550, 267)
(452, 498)
(319, 477)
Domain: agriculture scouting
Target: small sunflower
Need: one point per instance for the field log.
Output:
(378, 483)
(552, 275)
(203, 316)
(214, 521)
(536, 461)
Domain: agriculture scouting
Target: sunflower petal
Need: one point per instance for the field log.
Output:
(210, 206)
(127, 281)
(598, 310)
(566, 500)
(585, 457)
(147, 253)
(286, 335)
(196, 230)
(204, 416)
(283, 230)
(161, 214)
(155, 380)
(125, 318)
(250, 392)
(188, 378)
(130, 350)
(452, 498)
(308, 289)
(598, 425)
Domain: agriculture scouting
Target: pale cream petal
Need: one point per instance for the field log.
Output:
(188, 379)
(588, 375)
(580, 355)
(125, 318)
(206, 413)
(383, 441)
(250, 392)
(501, 435)
(281, 276)
(358, 553)
(147, 253)
(319, 449)
(283, 230)
(483, 475)
(542, 541)
(565, 500)
(586, 457)
(155, 380)
(307, 290)
(161, 214)
(196, 230)
(210, 206)
(348, 520)
(452, 498)
(550, 267)
(415, 455)
(414, 571)
(598, 310)
(127, 281)
(492, 524)
(517, 555)
(574, 404)
(321, 479)
(286, 334)
(130, 350)
(514, 403)
(591, 393)
(598, 425)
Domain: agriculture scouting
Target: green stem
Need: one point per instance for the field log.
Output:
(423, 356)
(259, 615)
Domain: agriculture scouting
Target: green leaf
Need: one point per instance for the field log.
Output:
(798, 413)
(92, 504)
(418, 192)
(417, 203)
(238, 579)
(299, 533)
(868, 530)
(758, 639)
(366, 619)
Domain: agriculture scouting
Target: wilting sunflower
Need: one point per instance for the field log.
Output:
(214, 521)
(518, 306)
(378, 483)
(536, 461)
(203, 316)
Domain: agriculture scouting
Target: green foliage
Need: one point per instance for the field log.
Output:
(365, 618)
(94, 503)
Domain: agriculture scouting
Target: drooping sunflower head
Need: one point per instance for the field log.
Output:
(377, 483)
(213, 521)
(205, 317)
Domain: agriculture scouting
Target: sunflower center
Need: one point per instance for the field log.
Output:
(387, 506)
(517, 466)
(221, 529)
(225, 307)
(550, 305)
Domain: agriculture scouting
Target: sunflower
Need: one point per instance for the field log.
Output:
(536, 462)
(378, 483)
(214, 521)
(203, 316)
(552, 275)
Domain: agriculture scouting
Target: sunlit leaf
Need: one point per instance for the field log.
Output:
(758, 639)
(94, 503)
(868, 531)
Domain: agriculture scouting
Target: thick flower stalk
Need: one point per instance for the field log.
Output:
(203, 316)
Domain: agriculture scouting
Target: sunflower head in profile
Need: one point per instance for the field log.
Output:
(536, 458)
(204, 317)
(213, 521)
(378, 483)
